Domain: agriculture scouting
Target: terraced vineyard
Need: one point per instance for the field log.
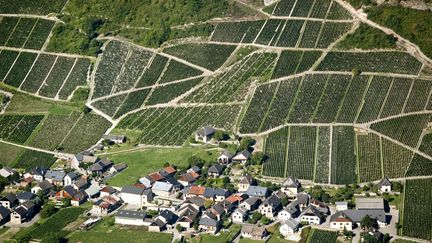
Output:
(327, 115)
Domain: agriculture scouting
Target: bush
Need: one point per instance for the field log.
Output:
(47, 211)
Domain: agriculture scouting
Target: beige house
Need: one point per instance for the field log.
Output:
(253, 232)
(341, 221)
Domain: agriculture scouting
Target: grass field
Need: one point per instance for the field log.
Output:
(322, 236)
(9, 153)
(120, 235)
(142, 162)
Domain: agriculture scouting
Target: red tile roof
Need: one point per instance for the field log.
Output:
(156, 176)
(197, 190)
(170, 170)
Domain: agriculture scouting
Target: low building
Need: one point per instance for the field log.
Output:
(251, 203)
(340, 221)
(216, 194)
(9, 200)
(225, 157)
(194, 191)
(18, 215)
(384, 185)
(44, 187)
(215, 170)
(341, 206)
(289, 226)
(25, 196)
(92, 191)
(55, 177)
(357, 215)
(239, 215)
(70, 178)
(242, 157)
(106, 205)
(187, 212)
(204, 134)
(4, 215)
(129, 217)
(291, 186)
(253, 232)
(245, 183)
(38, 174)
(290, 211)
(107, 191)
(369, 203)
(162, 189)
(209, 223)
(188, 179)
(117, 139)
(116, 168)
(7, 172)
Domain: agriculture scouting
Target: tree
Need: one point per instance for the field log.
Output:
(265, 221)
(221, 135)
(397, 186)
(48, 210)
(284, 201)
(257, 158)
(356, 72)
(245, 143)
(386, 238)
(367, 222)
(179, 228)
(66, 202)
(348, 234)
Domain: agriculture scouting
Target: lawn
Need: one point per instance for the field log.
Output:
(245, 240)
(227, 236)
(119, 235)
(145, 161)
(9, 153)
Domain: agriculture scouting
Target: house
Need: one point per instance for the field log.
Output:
(384, 185)
(30, 207)
(204, 134)
(226, 206)
(193, 191)
(118, 168)
(6, 172)
(25, 196)
(117, 139)
(100, 166)
(291, 186)
(83, 158)
(236, 199)
(341, 221)
(251, 203)
(4, 215)
(289, 226)
(215, 170)
(197, 201)
(106, 205)
(168, 218)
(195, 169)
(245, 183)
(225, 157)
(242, 157)
(253, 232)
(341, 206)
(216, 194)
(107, 191)
(76, 197)
(162, 189)
(270, 206)
(18, 215)
(176, 185)
(303, 200)
(290, 211)
(55, 177)
(38, 174)
(187, 179)
(239, 215)
(43, 187)
(366, 203)
(209, 223)
(320, 206)
(70, 178)
(217, 210)
(136, 195)
(170, 170)
(129, 217)
(9, 200)
(357, 215)
(80, 184)
(312, 215)
(92, 191)
(187, 212)
(257, 191)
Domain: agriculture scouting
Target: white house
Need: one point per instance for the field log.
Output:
(225, 157)
(270, 206)
(290, 186)
(70, 178)
(242, 157)
(118, 139)
(288, 212)
(341, 221)
(6, 172)
(136, 195)
(253, 232)
(289, 226)
(245, 182)
(384, 185)
(204, 134)
(239, 215)
(128, 217)
(312, 215)
(341, 206)
(43, 186)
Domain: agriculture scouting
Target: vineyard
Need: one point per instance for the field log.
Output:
(323, 236)
(417, 210)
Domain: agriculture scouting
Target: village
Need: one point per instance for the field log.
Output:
(200, 199)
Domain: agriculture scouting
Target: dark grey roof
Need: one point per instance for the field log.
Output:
(10, 197)
(252, 200)
(302, 198)
(56, 175)
(120, 167)
(38, 171)
(312, 211)
(4, 212)
(26, 196)
(105, 162)
(70, 190)
(21, 211)
(195, 168)
(340, 214)
(96, 167)
(292, 208)
(227, 154)
(291, 223)
(273, 201)
(72, 175)
(248, 179)
(81, 182)
(212, 192)
(28, 205)
(208, 222)
(173, 181)
(131, 214)
(216, 168)
(217, 208)
(199, 201)
(205, 131)
(169, 216)
(358, 215)
(133, 190)
(245, 153)
(257, 191)
(291, 182)
(384, 182)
